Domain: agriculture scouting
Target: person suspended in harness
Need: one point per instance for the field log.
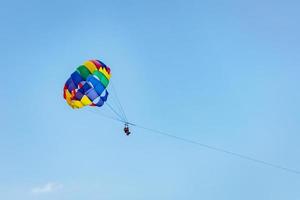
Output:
(126, 129)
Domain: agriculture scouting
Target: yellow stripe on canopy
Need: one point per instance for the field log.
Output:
(85, 100)
(91, 66)
(77, 104)
(104, 72)
(68, 95)
(69, 101)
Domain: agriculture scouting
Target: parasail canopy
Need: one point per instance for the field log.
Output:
(87, 85)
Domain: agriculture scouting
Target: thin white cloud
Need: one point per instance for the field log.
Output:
(47, 188)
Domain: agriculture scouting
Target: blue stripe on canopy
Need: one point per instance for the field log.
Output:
(92, 94)
(104, 98)
(76, 78)
(78, 95)
(99, 89)
(98, 102)
(70, 85)
(92, 80)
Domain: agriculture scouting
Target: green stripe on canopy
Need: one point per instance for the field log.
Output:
(83, 71)
(102, 78)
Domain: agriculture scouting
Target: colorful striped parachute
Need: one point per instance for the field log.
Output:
(87, 85)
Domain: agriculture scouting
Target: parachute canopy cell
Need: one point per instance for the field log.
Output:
(87, 85)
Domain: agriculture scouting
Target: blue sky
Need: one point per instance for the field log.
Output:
(225, 73)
